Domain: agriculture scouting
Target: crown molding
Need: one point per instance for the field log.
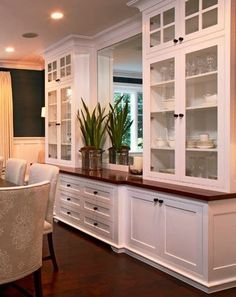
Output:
(143, 4)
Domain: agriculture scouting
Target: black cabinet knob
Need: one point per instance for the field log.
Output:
(161, 201)
(155, 200)
(181, 115)
(181, 39)
(58, 79)
(95, 224)
(68, 199)
(95, 208)
(95, 192)
(68, 212)
(176, 115)
(58, 124)
(175, 41)
(68, 185)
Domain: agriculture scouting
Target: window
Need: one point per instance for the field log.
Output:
(133, 94)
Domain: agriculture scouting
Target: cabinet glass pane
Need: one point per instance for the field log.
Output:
(49, 67)
(162, 107)
(155, 38)
(168, 33)
(209, 18)
(168, 16)
(201, 113)
(192, 25)
(68, 59)
(62, 62)
(63, 73)
(191, 7)
(66, 123)
(54, 65)
(208, 3)
(155, 22)
(68, 70)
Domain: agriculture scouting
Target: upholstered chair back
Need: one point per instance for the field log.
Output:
(41, 172)
(22, 212)
(15, 171)
(1, 164)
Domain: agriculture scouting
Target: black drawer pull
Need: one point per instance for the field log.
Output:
(181, 115)
(181, 39)
(95, 208)
(68, 185)
(155, 200)
(58, 124)
(161, 201)
(175, 41)
(95, 192)
(176, 115)
(57, 80)
(68, 199)
(68, 212)
(95, 224)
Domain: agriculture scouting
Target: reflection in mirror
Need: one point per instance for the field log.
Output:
(120, 73)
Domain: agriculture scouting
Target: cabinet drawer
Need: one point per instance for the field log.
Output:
(103, 194)
(69, 198)
(70, 214)
(98, 226)
(98, 209)
(70, 183)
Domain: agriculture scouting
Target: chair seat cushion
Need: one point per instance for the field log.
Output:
(47, 227)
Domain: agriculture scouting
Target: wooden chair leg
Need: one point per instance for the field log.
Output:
(38, 283)
(51, 250)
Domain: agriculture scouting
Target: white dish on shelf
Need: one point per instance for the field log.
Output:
(205, 146)
(167, 170)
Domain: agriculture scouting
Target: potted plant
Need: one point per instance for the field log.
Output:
(93, 128)
(118, 124)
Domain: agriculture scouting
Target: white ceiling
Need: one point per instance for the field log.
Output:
(82, 17)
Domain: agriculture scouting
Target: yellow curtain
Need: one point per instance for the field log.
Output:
(6, 115)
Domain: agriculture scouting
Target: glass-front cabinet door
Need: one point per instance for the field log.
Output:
(59, 124)
(161, 27)
(52, 124)
(65, 126)
(202, 90)
(162, 115)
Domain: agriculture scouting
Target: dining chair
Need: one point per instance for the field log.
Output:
(22, 215)
(15, 171)
(41, 172)
(1, 165)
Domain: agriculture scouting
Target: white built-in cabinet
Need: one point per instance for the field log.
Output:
(66, 81)
(166, 228)
(88, 206)
(188, 96)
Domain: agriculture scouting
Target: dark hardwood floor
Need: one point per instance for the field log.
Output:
(89, 268)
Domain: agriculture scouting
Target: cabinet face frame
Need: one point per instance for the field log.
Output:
(180, 107)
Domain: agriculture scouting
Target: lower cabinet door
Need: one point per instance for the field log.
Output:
(143, 222)
(182, 234)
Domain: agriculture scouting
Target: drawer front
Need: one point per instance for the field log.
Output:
(71, 214)
(69, 198)
(70, 183)
(98, 209)
(103, 194)
(98, 226)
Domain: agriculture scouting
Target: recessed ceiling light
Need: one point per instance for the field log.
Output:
(30, 35)
(9, 49)
(57, 15)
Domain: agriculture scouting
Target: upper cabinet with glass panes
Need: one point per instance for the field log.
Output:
(59, 69)
(176, 22)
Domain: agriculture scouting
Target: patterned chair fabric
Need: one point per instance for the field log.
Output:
(15, 171)
(22, 212)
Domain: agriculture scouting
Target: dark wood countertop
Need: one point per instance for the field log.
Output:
(124, 178)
